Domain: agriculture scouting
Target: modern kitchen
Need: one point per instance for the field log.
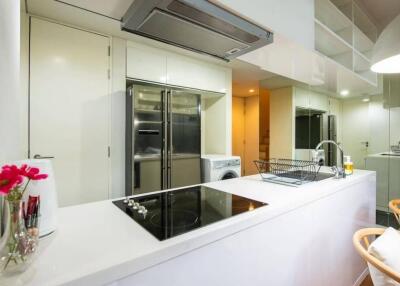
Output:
(199, 142)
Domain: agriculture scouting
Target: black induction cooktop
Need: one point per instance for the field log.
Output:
(170, 213)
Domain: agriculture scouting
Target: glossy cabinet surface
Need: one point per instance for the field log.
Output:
(69, 108)
(156, 65)
(309, 99)
(183, 71)
(146, 63)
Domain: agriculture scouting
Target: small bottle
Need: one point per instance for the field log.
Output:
(348, 166)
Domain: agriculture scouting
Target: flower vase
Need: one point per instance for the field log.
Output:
(17, 245)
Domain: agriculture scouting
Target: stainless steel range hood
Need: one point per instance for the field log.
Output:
(197, 25)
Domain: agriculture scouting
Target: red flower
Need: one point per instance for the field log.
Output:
(10, 177)
(31, 173)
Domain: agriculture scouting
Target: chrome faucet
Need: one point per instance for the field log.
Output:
(339, 171)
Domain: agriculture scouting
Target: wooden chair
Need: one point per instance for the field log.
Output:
(394, 206)
(362, 235)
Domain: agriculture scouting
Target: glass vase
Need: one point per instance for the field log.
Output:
(17, 245)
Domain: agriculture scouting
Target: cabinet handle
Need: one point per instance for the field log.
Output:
(37, 156)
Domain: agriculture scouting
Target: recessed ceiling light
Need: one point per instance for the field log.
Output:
(365, 100)
(251, 90)
(344, 92)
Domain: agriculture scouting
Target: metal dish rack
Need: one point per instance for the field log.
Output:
(287, 171)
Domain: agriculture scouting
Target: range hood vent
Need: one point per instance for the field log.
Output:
(197, 25)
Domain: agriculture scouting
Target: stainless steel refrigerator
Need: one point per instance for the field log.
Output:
(162, 137)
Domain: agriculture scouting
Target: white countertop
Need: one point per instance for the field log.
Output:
(389, 155)
(97, 243)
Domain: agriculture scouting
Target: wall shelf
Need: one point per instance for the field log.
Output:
(345, 34)
(362, 68)
(328, 42)
(330, 16)
(362, 43)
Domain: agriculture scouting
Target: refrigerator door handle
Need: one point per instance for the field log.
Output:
(163, 143)
(169, 169)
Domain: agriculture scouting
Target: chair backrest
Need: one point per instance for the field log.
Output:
(394, 206)
(363, 235)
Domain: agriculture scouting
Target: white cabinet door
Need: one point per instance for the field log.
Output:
(309, 99)
(301, 97)
(319, 101)
(69, 108)
(146, 63)
(187, 72)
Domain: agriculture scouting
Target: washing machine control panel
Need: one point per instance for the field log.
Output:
(225, 164)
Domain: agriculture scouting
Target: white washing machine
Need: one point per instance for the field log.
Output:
(219, 167)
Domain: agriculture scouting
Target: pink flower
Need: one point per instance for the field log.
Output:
(10, 177)
(31, 173)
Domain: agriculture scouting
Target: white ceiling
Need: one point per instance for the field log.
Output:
(382, 12)
(111, 8)
(246, 76)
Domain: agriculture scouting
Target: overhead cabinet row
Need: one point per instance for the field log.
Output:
(156, 65)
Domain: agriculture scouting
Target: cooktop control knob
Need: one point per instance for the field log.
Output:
(135, 206)
(142, 210)
(126, 200)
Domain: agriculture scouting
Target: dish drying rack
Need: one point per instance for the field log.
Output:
(287, 171)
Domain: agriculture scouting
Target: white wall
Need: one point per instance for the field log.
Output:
(10, 124)
(369, 121)
(216, 127)
(24, 80)
(381, 125)
(117, 138)
(282, 123)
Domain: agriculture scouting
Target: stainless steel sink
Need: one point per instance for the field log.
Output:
(323, 176)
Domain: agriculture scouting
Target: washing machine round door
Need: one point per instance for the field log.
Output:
(229, 175)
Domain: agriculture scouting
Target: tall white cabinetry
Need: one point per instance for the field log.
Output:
(69, 108)
(162, 66)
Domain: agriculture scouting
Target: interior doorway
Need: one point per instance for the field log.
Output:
(250, 128)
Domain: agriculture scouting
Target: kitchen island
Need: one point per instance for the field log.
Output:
(302, 237)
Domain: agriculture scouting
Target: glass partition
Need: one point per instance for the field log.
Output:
(366, 127)
(392, 84)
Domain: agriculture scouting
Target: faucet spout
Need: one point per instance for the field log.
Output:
(340, 171)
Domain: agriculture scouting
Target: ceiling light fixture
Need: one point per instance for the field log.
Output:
(251, 90)
(386, 51)
(365, 100)
(344, 92)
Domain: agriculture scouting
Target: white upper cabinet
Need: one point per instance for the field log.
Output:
(184, 71)
(308, 99)
(301, 98)
(319, 101)
(146, 63)
(157, 65)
